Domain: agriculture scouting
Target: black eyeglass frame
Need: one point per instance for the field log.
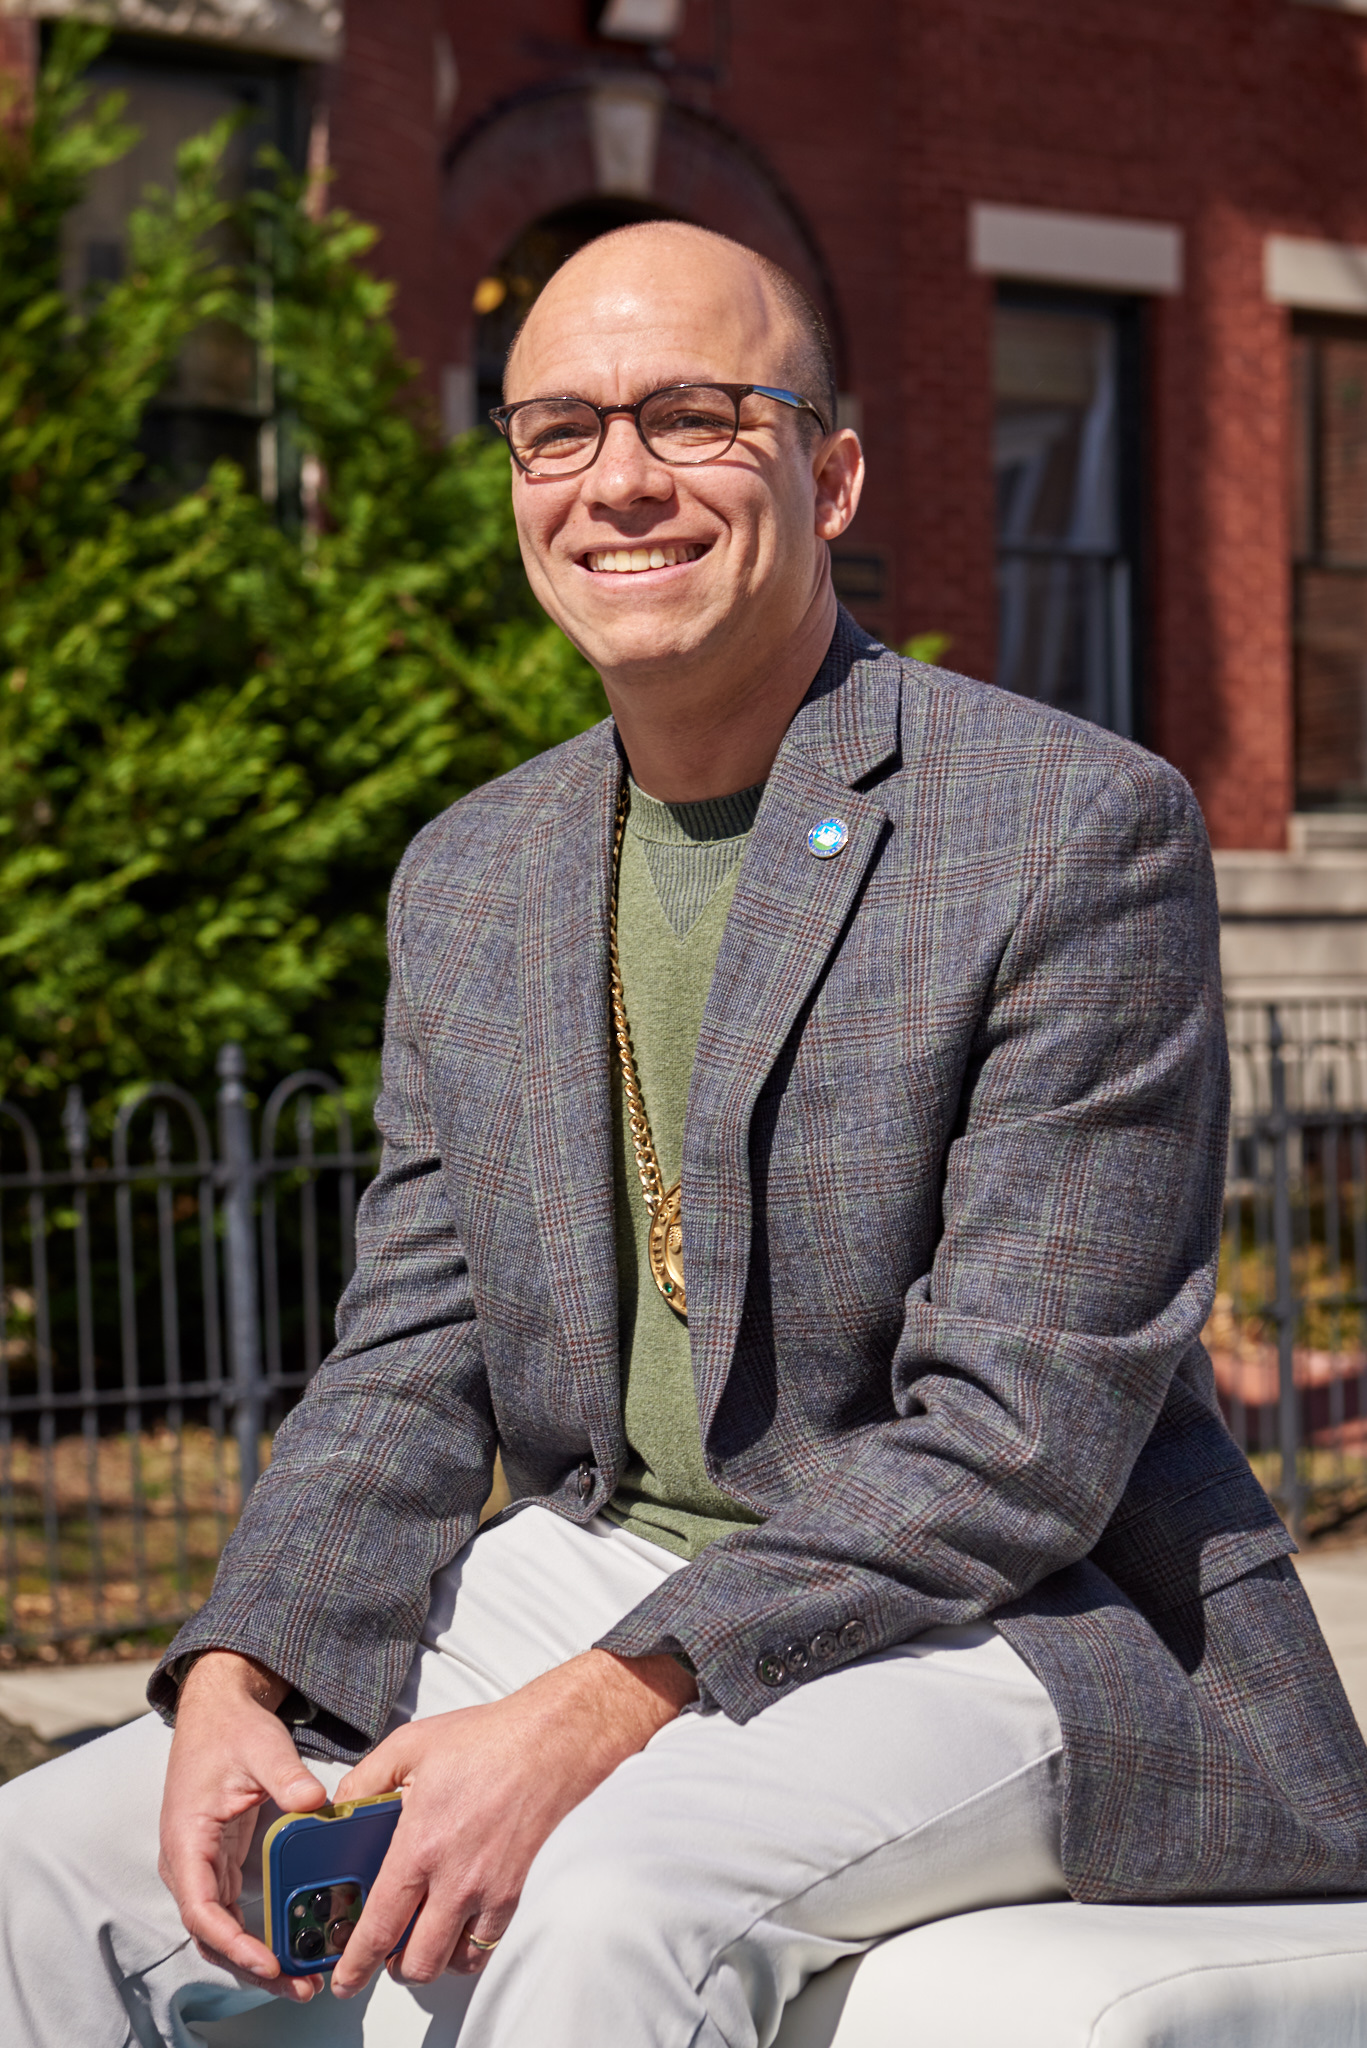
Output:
(501, 415)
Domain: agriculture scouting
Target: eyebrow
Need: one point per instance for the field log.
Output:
(646, 387)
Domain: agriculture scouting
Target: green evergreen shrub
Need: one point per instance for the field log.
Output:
(219, 727)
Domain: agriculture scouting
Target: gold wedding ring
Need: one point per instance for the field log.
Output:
(475, 1942)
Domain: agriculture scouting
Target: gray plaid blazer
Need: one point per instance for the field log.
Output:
(953, 1163)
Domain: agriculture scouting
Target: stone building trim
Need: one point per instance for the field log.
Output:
(1293, 928)
(1096, 250)
(1315, 276)
(307, 29)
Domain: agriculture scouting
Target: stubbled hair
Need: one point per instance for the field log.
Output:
(811, 365)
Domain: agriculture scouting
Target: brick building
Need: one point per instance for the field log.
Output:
(1097, 278)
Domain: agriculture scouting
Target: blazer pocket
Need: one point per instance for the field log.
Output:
(1187, 1547)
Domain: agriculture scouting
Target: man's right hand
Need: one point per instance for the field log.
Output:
(228, 1756)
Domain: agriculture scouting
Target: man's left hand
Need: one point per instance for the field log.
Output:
(482, 1789)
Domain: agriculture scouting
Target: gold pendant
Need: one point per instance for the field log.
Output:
(666, 1249)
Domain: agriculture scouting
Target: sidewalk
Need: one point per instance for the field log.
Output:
(65, 1706)
(1336, 1581)
(82, 1700)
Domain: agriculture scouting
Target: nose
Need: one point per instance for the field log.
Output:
(626, 471)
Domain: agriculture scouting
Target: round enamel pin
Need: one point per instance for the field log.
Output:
(827, 838)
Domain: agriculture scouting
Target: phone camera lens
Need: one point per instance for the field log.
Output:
(309, 1944)
(320, 1904)
(339, 1934)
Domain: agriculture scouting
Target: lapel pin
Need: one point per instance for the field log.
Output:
(827, 838)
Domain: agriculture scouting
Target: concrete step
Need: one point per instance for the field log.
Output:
(1335, 1582)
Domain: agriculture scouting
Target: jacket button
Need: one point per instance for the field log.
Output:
(825, 1645)
(853, 1637)
(585, 1481)
(771, 1670)
(796, 1659)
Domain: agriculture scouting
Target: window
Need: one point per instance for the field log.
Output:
(218, 403)
(1329, 561)
(1064, 458)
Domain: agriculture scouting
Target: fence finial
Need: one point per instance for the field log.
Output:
(231, 1064)
(75, 1123)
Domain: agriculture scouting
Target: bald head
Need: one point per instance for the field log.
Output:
(637, 274)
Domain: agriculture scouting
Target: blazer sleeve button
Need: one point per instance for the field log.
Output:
(771, 1670)
(854, 1637)
(585, 1480)
(825, 1644)
(796, 1659)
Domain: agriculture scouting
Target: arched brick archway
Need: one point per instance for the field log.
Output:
(576, 146)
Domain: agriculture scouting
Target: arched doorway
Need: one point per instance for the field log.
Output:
(505, 294)
(531, 181)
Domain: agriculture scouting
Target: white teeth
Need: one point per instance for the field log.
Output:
(630, 561)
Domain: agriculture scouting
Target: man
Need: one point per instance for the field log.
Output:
(804, 1116)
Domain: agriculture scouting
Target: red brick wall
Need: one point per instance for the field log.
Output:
(884, 122)
(384, 151)
(1231, 120)
(18, 50)
(870, 129)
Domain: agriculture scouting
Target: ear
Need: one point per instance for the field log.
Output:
(838, 470)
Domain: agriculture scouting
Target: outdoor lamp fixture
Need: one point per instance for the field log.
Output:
(638, 21)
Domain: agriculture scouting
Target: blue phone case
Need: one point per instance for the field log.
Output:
(317, 1870)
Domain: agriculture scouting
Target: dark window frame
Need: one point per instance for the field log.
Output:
(1316, 327)
(181, 437)
(1129, 315)
(170, 55)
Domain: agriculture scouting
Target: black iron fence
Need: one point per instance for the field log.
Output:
(1289, 1331)
(162, 1301)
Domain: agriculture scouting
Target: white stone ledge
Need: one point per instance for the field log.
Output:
(1099, 250)
(1317, 277)
(1292, 885)
(309, 29)
(1293, 926)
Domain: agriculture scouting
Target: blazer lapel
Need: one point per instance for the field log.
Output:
(786, 918)
(564, 967)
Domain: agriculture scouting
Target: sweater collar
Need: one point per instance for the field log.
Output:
(712, 818)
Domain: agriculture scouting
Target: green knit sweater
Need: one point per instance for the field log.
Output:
(679, 868)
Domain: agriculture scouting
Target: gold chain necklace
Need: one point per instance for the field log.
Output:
(665, 1205)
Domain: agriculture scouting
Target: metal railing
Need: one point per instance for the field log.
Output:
(161, 1304)
(1289, 1332)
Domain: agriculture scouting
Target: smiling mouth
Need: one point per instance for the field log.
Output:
(631, 561)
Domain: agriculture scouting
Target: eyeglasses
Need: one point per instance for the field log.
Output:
(682, 424)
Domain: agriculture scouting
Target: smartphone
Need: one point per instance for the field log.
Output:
(317, 1870)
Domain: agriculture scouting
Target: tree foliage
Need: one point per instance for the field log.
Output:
(217, 731)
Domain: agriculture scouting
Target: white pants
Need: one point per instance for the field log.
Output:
(682, 1905)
